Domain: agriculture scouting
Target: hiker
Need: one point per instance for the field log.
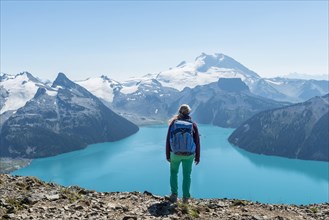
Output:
(182, 146)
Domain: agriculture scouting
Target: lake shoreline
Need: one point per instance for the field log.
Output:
(8, 165)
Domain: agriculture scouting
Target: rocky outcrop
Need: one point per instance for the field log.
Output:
(232, 85)
(297, 131)
(30, 198)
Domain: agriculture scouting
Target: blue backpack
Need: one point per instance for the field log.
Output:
(181, 137)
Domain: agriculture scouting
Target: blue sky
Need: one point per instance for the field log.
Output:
(132, 38)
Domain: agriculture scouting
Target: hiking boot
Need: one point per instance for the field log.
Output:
(185, 200)
(173, 197)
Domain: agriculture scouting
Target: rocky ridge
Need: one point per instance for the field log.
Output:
(30, 198)
(295, 131)
(62, 118)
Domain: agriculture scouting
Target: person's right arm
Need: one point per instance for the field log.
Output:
(168, 144)
(196, 139)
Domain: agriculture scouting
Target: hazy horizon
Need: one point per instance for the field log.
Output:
(293, 75)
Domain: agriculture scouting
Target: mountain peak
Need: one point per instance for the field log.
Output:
(25, 73)
(29, 76)
(208, 57)
(105, 78)
(60, 74)
(5, 76)
(62, 80)
(205, 62)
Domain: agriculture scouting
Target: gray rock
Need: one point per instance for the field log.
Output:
(3, 202)
(257, 217)
(9, 216)
(52, 197)
(129, 218)
(31, 199)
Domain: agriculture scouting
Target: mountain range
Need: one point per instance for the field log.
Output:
(220, 90)
(15, 91)
(306, 76)
(132, 98)
(226, 103)
(207, 69)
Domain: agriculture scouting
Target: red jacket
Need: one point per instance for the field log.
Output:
(196, 139)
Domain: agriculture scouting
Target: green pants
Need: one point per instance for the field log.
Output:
(187, 162)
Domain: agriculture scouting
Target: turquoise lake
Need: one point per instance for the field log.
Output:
(138, 163)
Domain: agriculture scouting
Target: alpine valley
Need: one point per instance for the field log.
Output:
(41, 119)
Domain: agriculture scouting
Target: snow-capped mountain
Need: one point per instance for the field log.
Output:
(144, 101)
(225, 103)
(106, 89)
(204, 70)
(16, 90)
(208, 69)
(59, 119)
(298, 89)
(102, 87)
(306, 76)
(153, 95)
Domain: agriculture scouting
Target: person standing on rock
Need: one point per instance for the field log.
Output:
(182, 146)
